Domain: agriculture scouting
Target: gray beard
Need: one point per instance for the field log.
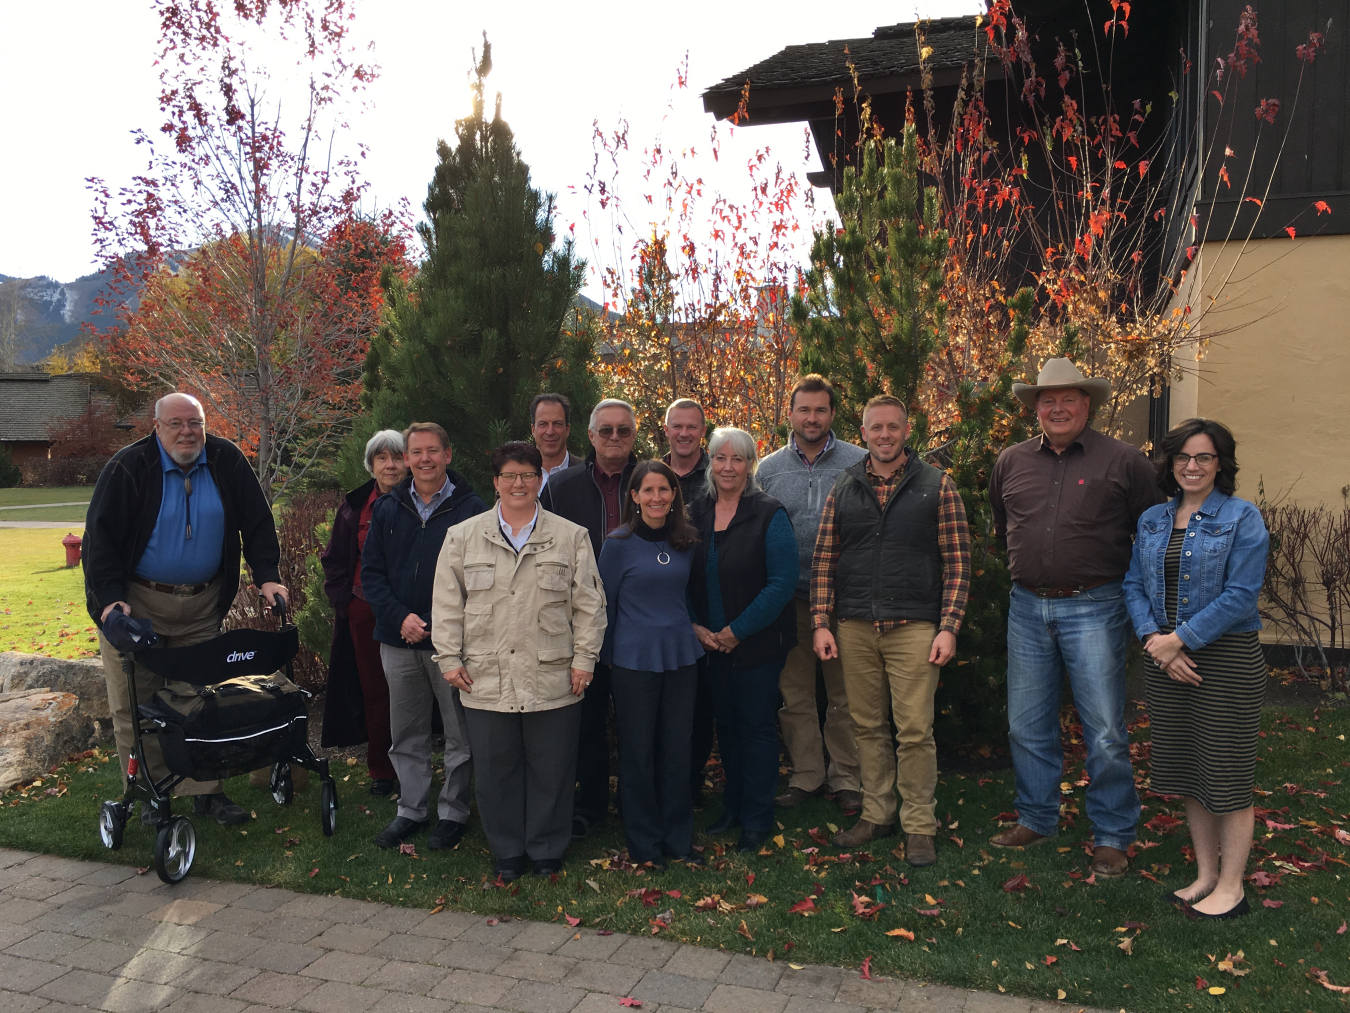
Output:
(183, 458)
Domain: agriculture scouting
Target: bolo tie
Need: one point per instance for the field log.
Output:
(187, 495)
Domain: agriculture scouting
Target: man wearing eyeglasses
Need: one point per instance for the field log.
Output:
(166, 524)
(591, 494)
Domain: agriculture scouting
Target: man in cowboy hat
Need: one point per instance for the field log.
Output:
(1065, 504)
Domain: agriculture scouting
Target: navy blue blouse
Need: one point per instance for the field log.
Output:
(649, 628)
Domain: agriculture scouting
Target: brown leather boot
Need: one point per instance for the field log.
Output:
(862, 833)
(920, 849)
(1017, 837)
(796, 796)
(850, 802)
(1111, 863)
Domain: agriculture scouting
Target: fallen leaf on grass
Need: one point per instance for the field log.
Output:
(1320, 976)
(1017, 884)
(1217, 990)
(902, 934)
(313, 873)
(745, 931)
(574, 922)
(1272, 903)
(1341, 931)
(1229, 965)
(408, 849)
(867, 968)
(934, 912)
(1061, 995)
(755, 900)
(805, 908)
(1049, 960)
(1127, 945)
(778, 839)
(593, 885)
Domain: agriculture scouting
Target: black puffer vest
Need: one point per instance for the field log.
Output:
(742, 571)
(889, 565)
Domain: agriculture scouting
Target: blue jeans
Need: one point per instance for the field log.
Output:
(1087, 636)
(747, 736)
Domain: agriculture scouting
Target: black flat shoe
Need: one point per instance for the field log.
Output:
(722, 824)
(382, 787)
(445, 835)
(219, 806)
(548, 866)
(397, 831)
(1171, 898)
(510, 869)
(1236, 911)
(693, 860)
(751, 840)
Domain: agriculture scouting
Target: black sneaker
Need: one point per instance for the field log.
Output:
(547, 866)
(398, 830)
(445, 835)
(509, 869)
(751, 840)
(382, 786)
(226, 813)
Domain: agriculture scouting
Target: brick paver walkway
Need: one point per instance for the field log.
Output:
(88, 936)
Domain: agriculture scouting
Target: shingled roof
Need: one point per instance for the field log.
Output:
(32, 402)
(886, 62)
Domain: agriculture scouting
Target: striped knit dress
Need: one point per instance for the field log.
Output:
(1204, 737)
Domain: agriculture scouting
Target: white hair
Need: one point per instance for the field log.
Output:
(179, 394)
(386, 441)
(611, 402)
(743, 444)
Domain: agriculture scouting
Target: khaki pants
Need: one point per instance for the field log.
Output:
(800, 720)
(888, 676)
(179, 622)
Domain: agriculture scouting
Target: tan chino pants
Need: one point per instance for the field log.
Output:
(888, 676)
(800, 720)
(179, 622)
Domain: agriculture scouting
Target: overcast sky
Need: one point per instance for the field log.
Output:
(77, 78)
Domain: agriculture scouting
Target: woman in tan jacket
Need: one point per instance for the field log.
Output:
(517, 620)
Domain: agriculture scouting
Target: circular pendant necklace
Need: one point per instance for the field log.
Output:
(662, 556)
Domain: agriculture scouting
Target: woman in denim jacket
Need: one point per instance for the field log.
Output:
(1198, 564)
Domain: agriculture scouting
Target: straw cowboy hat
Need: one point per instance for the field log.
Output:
(1057, 374)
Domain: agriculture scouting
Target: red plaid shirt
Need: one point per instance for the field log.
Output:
(953, 546)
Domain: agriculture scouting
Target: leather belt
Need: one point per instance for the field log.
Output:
(1061, 592)
(182, 590)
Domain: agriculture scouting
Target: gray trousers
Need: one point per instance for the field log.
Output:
(527, 766)
(414, 679)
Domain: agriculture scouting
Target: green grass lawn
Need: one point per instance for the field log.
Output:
(1031, 923)
(41, 602)
(27, 497)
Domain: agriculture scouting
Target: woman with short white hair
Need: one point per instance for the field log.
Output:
(741, 586)
(356, 705)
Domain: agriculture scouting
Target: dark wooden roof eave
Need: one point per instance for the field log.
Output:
(815, 101)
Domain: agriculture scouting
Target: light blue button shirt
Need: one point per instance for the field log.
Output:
(425, 510)
(188, 541)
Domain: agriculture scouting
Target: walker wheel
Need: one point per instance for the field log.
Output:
(112, 820)
(283, 785)
(328, 805)
(175, 848)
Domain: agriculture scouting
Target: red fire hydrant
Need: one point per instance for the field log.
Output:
(72, 542)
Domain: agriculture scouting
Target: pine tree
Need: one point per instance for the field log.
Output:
(467, 343)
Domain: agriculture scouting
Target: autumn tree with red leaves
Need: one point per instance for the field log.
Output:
(699, 299)
(252, 276)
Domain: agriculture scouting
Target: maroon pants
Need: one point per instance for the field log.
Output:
(374, 689)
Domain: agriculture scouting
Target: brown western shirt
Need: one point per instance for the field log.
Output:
(1068, 520)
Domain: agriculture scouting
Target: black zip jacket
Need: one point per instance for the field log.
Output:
(125, 507)
(574, 496)
(398, 564)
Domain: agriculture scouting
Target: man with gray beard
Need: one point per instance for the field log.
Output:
(166, 524)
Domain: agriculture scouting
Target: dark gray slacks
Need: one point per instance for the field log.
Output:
(524, 771)
(655, 712)
(414, 681)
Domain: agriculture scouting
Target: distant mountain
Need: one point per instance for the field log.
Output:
(52, 312)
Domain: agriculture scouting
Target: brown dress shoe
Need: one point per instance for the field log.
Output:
(920, 849)
(861, 833)
(1111, 863)
(796, 796)
(850, 802)
(1017, 837)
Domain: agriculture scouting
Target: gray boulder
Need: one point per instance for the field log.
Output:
(39, 728)
(83, 677)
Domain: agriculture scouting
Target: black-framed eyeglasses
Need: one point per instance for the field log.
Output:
(512, 477)
(1204, 460)
(176, 425)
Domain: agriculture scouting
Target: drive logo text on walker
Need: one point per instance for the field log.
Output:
(239, 656)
